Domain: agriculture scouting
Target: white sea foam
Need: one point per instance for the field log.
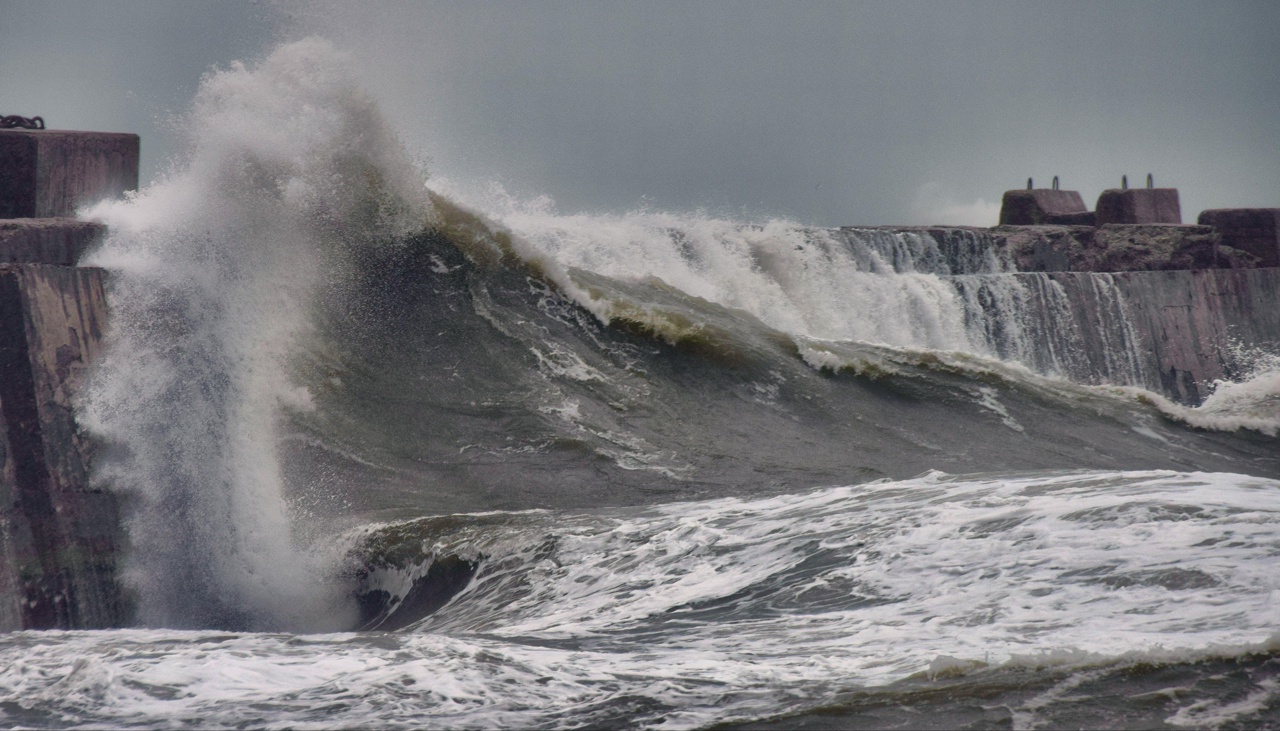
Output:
(1252, 403)
(791, 277)
(1038, 561)
(686, 614)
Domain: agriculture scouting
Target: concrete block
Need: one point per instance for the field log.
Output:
(1255, 230)
(58, 537)
(1044, 206)
(50, 173)
(47, 240)
(1138, 205)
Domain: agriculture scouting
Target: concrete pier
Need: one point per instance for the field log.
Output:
(59, 539)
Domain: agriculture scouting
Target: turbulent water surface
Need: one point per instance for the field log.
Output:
(399, 454)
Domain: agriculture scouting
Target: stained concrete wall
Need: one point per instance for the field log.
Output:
(58, 538)
(1187, 297)
(1186, 322)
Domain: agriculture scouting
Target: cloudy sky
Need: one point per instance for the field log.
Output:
(827, 112)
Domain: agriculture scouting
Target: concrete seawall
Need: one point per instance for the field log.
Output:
(59, 539)
(1186, 323)
(1135, 304)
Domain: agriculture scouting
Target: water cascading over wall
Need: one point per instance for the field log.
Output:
(1065, 301)
(1172, 332)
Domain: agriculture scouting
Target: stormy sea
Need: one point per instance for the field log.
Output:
(399, 453)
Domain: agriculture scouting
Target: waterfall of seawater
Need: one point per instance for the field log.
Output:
(213, 272)
(954, 291)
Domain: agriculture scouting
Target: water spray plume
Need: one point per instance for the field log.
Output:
(289, 169)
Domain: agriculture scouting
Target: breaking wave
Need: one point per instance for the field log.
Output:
(652, 469)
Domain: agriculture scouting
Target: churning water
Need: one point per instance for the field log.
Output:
(391, 462)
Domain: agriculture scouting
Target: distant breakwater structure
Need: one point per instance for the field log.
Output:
(1124, 294)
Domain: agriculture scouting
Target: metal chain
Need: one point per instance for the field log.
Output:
(13, 121)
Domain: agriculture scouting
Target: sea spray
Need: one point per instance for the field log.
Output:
(794, 278)
(289, 169)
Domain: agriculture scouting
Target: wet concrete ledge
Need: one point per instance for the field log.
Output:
(60, 241)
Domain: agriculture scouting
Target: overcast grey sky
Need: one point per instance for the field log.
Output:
(828, 112)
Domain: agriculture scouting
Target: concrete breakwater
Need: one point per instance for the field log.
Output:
(1136, 304)
(1172, 332)
(59, 538)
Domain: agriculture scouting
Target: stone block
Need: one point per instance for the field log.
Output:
(1044, 206)
(1255, 230)
(50, 173)
(47, 240)
(58, 537)
(1138, 205)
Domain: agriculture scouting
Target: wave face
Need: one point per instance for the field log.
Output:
(633, 470)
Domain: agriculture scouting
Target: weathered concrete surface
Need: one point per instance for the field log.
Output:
(1172, 332)
(58, 542)
(1255, 230)
(1189, 321)
(1110, 248)
(1042, 206)
(49, 173)
(1138, 205)
(47, 240)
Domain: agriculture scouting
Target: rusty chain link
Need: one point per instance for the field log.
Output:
(13, 121)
